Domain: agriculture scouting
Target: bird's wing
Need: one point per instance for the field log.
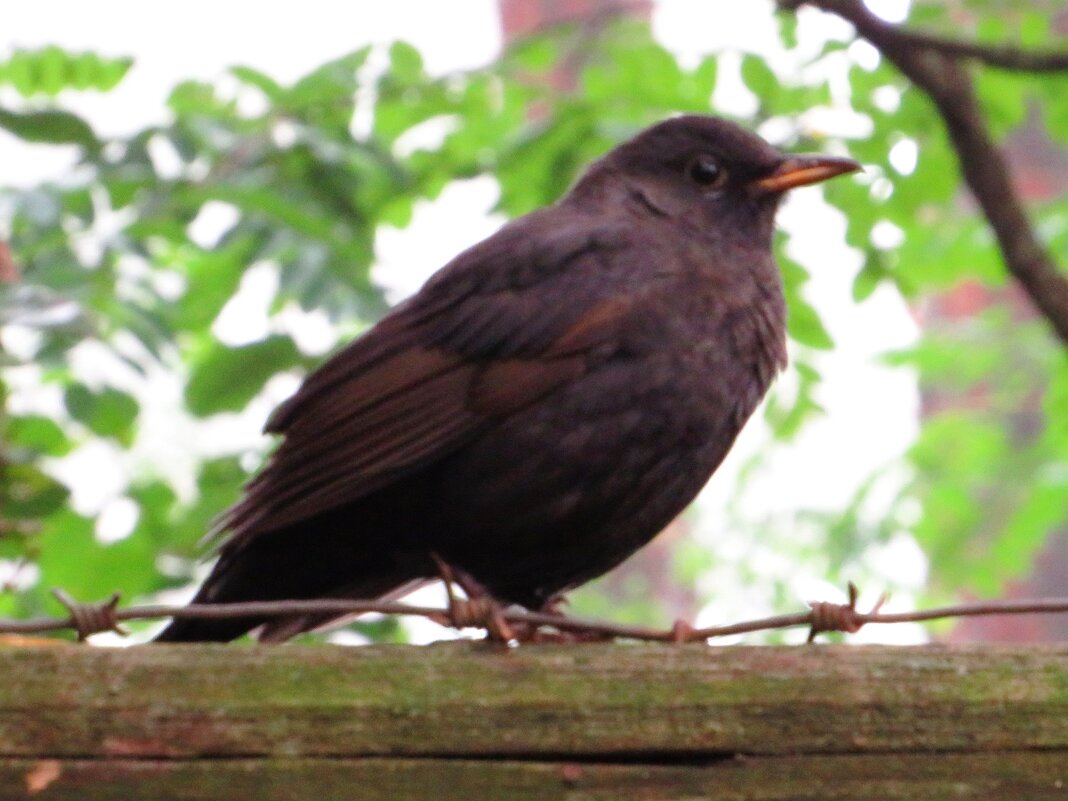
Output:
(503, 325)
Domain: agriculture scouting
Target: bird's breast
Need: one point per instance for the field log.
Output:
(571, 484)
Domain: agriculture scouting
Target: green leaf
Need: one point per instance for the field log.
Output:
(108, 412)
(195, 98)
(788, 28)
(73, 559)
(273, 90)
(50, 127)
(226, 379)
(266, 200)
(533, 53)
(405, 63)
(181, 530)
(639, 70)
(924, 14)
(787, 418)
(1035, 28)
(1043, 510)
(38, 434)
(806, 327)
(79, 202)
(869, 277)
(89, 71)
(759, 78)
(397, 212)
(1056, 400)
(1004, 99)
(49, 67)
(50, 70)
(325, 97)
(30, 494)
(212, 276)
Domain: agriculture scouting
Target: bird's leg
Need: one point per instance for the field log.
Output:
(479, 609)
(554, 604)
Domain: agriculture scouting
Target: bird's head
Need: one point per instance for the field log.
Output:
(710, 173)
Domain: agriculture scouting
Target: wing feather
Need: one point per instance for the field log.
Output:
(350, 452)
(435, 372)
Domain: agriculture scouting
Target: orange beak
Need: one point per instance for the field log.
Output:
(796, 171)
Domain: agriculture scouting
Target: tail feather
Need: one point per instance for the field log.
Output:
(203, 630)
(284, 628)
(284, 565)
(279, 629)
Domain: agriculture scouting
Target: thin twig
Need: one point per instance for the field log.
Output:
(994, 55)
(846, 618)
(937, 70)
(1000, 56)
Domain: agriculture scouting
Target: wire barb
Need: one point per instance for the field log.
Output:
(828, 616)
(90, 619)
(477, 610)
(514, 624)
(470, 613)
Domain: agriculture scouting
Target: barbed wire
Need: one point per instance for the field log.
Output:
(87, 619)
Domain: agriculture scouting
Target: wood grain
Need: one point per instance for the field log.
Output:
(589, 721)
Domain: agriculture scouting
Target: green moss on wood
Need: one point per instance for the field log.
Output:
(1035, 776)
(472, 699)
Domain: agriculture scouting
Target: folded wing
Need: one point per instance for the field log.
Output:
(431, 375)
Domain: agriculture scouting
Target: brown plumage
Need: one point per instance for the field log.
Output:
(547, 403)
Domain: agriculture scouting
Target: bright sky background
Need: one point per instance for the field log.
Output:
(871, 411)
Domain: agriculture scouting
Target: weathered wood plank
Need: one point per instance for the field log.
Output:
(471, 721)
(471, 699)
(1035, 776)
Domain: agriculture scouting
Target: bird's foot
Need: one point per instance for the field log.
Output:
(554, 604)
(547, 632)
(478, 610)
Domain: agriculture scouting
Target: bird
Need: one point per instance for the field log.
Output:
(544, 406)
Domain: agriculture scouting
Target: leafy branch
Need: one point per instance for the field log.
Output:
(1000, 56)
(934, 65)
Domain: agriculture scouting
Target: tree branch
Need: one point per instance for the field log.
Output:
(1000, 56)
(934, 66)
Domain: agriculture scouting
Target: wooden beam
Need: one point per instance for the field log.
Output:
(594, 721)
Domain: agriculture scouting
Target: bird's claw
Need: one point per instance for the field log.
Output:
(554, 604)
(478, 610)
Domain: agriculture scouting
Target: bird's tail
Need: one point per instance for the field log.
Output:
(207, 630)
(276, 629)
(279, 629)
(286, 568)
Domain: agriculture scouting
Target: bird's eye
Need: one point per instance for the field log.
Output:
(707, 172)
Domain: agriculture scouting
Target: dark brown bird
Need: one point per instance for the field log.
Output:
(545, 405)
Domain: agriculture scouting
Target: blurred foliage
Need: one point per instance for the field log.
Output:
(113, 261)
